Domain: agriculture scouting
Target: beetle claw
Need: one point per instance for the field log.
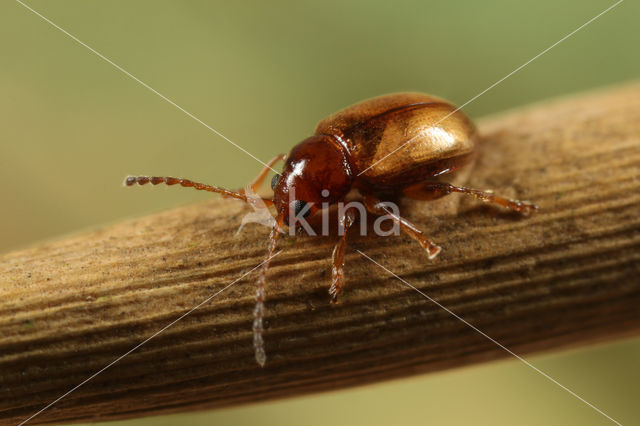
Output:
(433, 251)
(526, 208)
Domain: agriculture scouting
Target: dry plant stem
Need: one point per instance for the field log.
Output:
(564, 276)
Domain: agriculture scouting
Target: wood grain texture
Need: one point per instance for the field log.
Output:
(562, 277)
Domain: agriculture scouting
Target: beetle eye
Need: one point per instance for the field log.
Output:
(301, 209)
(274, 181)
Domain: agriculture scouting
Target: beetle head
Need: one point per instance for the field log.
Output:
(316, 173)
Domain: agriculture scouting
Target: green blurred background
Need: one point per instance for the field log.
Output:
(263, 74)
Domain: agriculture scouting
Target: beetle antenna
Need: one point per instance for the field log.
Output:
(258, 312)
(155, 180)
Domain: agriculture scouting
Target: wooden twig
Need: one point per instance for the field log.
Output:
(564, 276)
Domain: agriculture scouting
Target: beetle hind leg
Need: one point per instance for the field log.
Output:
(377, 207)
(433, 190)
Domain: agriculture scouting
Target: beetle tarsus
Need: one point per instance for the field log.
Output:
(433, 251)
(375, 206)
(333, 294)
(525, 208)
(432, 190)
(337, 267)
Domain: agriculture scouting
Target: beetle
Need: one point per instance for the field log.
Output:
(391, 145)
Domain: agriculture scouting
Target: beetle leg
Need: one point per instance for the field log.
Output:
(259, 180)
(375, 206)
(432, 190)
(337, 269)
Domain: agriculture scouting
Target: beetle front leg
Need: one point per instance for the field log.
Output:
(432, 190)
(258, 180)
(376, 207)
(337, 267)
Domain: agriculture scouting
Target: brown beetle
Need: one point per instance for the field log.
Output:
(387, 146)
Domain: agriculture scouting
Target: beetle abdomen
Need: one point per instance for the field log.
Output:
(399, 140)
